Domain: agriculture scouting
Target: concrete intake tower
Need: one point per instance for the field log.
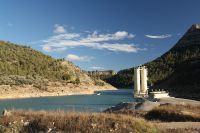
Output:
(140, 82)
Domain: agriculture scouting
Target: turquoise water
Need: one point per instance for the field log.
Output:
(91, 103)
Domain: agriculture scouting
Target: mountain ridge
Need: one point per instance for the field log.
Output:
(25, 72)
(174, 64)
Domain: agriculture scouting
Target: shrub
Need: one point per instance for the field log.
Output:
(174, 113)
(80, 122)
(66, 76)
(98, 82)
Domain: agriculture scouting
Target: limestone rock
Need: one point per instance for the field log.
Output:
(6, 112)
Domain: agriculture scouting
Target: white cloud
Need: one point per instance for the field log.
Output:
(9, 24)
(63, 41)
(159, 36)
(53, 49)
(118, 47)
(96, 68)
(49, 46)
(95, 37)
(73, 57)
(60, 37)
(59, 29)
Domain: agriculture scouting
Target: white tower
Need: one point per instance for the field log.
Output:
(144, 80)
(136, 81)
(140, 81)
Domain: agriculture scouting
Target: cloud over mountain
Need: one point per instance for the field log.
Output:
(159, 36)
(63, 40)
(97, 68)
(73, 57)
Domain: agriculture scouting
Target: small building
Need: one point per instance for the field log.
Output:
(158, 94)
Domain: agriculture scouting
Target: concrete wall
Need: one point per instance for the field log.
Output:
(143, 80)
(159, 95)
(136, 81)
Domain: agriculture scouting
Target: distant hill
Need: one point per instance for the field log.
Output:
(23, 65)
(177, 71)
(101, 74)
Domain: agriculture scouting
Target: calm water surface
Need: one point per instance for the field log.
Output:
(94, 103)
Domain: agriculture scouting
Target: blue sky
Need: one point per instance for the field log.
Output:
(98, 34)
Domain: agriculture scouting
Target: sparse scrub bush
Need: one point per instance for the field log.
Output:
(66, 76)
(77, 81)
(175, 113)
(98, 82)
(73, 122)
(41, 86)
(1, 129)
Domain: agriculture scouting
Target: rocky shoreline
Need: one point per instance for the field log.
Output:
(147, 105)
(28, 91)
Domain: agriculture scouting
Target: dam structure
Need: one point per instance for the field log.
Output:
(140, 82)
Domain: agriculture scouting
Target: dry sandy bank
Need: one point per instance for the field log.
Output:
(27, 91)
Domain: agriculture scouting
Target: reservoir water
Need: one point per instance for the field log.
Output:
(84, 103)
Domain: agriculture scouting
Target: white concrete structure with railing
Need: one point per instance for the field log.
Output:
(140, 81)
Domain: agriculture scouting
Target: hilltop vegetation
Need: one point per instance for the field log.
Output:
(178, 70)
(170, 113)
(24, 61)
(22, 65)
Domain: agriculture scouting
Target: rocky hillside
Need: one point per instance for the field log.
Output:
(103, 74)
(177, 71)
(21, 65)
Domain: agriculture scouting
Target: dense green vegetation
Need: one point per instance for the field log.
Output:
(23, 65)
(176, 70)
